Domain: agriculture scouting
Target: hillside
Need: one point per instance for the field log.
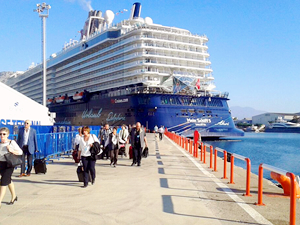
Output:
(244, 112)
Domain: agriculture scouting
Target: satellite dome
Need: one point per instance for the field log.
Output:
(148, 20)
(109, 16)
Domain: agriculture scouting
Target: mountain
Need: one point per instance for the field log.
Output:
(5, 75)
(244, 112)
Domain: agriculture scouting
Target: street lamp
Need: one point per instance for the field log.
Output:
(43, 10)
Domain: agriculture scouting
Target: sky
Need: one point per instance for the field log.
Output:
(254, 45)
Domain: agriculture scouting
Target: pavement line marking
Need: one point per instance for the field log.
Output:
(248, 209)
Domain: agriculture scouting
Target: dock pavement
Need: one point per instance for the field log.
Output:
(170, 187)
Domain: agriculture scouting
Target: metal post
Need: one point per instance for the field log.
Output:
(43, 10)
(215, 165)
(231, 169)
(248, 177)
(211, 157)
(293, 199)
(44, 61)
(225, 165)
(204, 154)
(260, 185)
(201, 152)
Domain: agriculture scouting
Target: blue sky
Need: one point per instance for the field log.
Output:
(254, 44)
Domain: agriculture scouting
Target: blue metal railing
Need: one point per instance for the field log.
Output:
(54, 145)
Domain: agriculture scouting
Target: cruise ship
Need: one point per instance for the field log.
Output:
(134, 70)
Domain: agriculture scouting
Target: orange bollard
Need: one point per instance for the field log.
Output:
(248, 177)
(204, 154)
(231, 169)
(225, 165)
(215, 165)
(201, 152)
(186, 144)
(260, 185)
(211, 157)
(197, 149)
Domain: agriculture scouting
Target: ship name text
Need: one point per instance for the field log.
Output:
(222, 123)
(90, 114)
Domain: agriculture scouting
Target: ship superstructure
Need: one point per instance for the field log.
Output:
(143, 66)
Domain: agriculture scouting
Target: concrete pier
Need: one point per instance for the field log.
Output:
(170, 187)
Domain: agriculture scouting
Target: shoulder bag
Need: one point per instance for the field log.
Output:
(13, 160)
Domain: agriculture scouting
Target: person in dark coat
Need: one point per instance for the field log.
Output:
(104, 139)
(114, 147)
(138, 143)
(27, 140)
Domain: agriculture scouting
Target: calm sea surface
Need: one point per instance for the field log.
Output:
(276, 149)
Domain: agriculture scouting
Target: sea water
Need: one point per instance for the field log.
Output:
(281, 150)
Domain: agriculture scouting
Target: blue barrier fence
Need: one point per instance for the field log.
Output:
(52, 145)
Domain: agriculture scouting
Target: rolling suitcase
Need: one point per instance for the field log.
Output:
(130, 152)
(40, 166)
(80, 174)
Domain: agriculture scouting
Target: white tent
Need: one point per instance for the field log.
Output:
(16, 108)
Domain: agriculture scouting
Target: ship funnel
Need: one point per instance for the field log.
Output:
(136, 10)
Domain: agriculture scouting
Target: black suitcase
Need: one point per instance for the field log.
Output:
(80, 174)
(40, 166)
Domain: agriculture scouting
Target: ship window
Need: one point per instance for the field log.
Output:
(183, 110)
(215, 103)
(201, 111)
(208, 111)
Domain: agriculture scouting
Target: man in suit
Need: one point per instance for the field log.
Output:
(104, 139)
(27, 141)
(138, 143)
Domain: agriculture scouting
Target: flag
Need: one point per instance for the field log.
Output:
(198, 84)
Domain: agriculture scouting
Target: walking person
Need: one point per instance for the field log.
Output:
(161, 132)
(27, 141)
(155, 130)
(86, 142)
(123, 135)
(138, 142)
(114, 147)
(76, 145)
(104, 138)
(6, 172)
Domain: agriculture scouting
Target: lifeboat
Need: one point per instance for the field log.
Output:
(78, 96)
(60, 99)
(49, 101)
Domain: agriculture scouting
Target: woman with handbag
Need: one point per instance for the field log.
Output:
(86, 142)
(7, 147)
